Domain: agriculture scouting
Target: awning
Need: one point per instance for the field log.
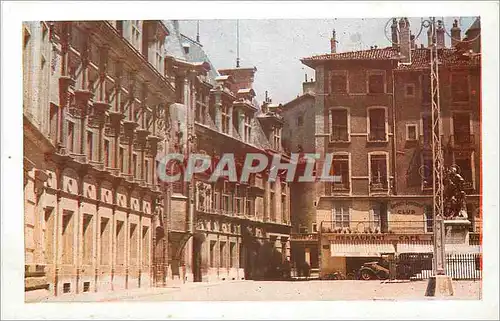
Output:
(462, 248)
(373, 249)
(426, 247)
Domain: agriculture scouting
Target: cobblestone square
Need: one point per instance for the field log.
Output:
(312, 290)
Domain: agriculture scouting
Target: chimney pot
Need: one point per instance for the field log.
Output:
(455, 34)
(333, 42)
(440, 35)
(394, 33)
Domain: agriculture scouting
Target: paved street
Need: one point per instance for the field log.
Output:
(307, 290)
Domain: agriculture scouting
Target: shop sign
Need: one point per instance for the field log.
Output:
(408, 208)
(380, 237)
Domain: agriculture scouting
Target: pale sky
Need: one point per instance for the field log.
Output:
(276, 46)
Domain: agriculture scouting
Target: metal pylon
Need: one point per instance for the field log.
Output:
(437, 157)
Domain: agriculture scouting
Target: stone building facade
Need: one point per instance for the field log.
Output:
(103, 102)
(373, 116)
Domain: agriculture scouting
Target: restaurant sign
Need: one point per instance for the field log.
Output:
(379, 237)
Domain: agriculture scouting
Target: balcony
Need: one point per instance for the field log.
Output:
(377, 137)
(379, 184)
(462, 141)
(374, 227)
(425, 141)
(342, 137)
(336, 188)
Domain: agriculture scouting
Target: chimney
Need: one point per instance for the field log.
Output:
(404, 46)
(176, 25)
(394, 33)
(455, 34)
(412, 41)
(333, 43)
(440, 35)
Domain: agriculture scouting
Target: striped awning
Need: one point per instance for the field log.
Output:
(370, 249)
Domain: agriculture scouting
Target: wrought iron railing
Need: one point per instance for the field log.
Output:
(462, 140)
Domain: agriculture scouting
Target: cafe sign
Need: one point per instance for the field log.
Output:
(379, 237)
(407, 208)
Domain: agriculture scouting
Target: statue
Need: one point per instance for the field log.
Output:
(455, 205)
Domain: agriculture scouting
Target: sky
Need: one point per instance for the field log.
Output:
(275, 46)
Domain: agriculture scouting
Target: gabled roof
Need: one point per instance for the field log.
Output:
(298, 99)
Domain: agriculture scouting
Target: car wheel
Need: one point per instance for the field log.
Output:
(366, 275)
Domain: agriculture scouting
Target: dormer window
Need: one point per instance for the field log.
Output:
(186, 46)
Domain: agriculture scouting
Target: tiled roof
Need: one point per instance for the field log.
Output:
(420, 57)
(371, 54)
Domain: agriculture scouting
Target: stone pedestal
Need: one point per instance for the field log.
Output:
(457, 231)
(439, 286)
(456, 236)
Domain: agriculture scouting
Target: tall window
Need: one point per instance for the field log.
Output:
(87, 244)
(248, 129)
(136, 34)
(239, 199)
(339, 125)
(272, 206)
(90, 145)
(378, 166)
(376, 83)
(71, 136)
(53, 121)
(106, 153)
(283, 209)
(461, 128)
(146, 171)
(158, 56)
(341, 216)
(338, 83)
(121, 159)
(222, 254)
(277, 138)
(212, 253)
(120, 243)
(145, 245)
(226, 200)
(104, 241)
(341, 169)
(460, 87)
(225, 119)
(133, 244)
(134, 165)
(67, 237)
(300, 121)
(377, 125)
